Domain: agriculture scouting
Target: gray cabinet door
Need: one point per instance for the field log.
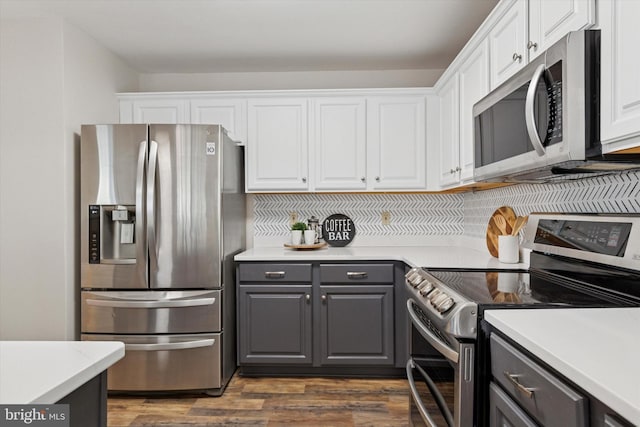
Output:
(356, 325)
(274, 324)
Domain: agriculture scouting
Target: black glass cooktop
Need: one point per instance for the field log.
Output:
(524, 289)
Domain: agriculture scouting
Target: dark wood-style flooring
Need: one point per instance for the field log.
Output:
(273, 402)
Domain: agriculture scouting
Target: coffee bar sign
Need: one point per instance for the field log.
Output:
(338, 230)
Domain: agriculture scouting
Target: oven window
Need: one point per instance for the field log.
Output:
(500, 132)
(443, 379)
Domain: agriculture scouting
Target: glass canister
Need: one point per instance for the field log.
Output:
(314, 224)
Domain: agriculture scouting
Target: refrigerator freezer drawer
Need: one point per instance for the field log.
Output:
(165, 362)
(151, 312)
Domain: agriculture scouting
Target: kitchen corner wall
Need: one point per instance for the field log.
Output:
(422, 219)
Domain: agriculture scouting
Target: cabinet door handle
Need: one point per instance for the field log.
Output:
(532, 45)
(323, 298)
(362, 179)
(458, 169)
(274, 274)
(513, 378)
(517, 57)
(304, 179)
(357, 274)
(307, 297)
(377, 179)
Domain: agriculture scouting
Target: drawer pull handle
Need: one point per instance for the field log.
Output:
(151, 303)
(513, 378)
(170, 346)
(357, 274)
(274, 274)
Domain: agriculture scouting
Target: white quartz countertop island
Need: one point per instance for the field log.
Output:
(595, 348)
(46, 371)
(415, 256)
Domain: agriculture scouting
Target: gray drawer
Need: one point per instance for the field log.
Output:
(356, 273)
(551, 402)
(276, 272)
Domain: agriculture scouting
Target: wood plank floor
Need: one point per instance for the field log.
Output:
(273, 402)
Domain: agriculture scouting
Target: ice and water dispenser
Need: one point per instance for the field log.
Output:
(112, 234)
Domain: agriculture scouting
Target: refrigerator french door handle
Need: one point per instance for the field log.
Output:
(151, 304)
(151, 204)
(170, 346)
(141, 247)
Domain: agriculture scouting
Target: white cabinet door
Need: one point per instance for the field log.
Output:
(474, 85)
(339, 143)
(228, 112)
(507, 43)
(170, 111)
(550, 20)
(396, 128)
(620, 84)
(449, 132)
(277, 144)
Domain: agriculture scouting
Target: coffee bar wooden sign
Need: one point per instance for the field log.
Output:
(338, 230)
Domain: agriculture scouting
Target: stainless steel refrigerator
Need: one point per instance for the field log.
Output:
(162, 215)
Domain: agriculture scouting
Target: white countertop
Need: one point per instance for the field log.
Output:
(46, 371)
(415, 256)
(596, 348)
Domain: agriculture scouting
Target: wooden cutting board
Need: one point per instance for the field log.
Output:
(493, 231)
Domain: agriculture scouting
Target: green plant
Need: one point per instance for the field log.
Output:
(299, 226)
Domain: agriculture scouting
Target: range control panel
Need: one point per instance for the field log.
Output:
(94, 234)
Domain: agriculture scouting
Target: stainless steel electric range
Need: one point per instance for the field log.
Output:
(577, 260)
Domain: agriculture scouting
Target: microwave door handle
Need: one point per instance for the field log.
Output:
(529, 113)
(151, 204)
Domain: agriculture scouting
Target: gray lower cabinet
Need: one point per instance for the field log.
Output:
(275, 324)
(317, 315)
(356, 325)
(525, 393)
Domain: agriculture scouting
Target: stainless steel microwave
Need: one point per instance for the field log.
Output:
(543, 124)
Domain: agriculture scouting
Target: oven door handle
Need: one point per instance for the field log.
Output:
(424, 413)
(436, 342)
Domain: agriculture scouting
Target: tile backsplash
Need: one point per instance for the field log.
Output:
(421, 218)
(412, 216)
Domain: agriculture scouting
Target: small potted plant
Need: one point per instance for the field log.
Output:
(296, 232)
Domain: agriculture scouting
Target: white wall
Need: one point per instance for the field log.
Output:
(52, 78)
(288, 80)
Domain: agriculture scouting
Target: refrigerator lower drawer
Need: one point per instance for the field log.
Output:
(151, 312)
(165, 362)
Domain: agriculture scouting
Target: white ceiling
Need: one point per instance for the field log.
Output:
(188, 36)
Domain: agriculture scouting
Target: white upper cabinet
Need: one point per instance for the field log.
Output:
(228, 112)
(620, 79)
(338, 138)
(154, 110)
(277, 140)
(550, 20)
(529, 27)
(474, 85)
(507, 43)
(449, 132)
(396, 152)
(457, 96)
